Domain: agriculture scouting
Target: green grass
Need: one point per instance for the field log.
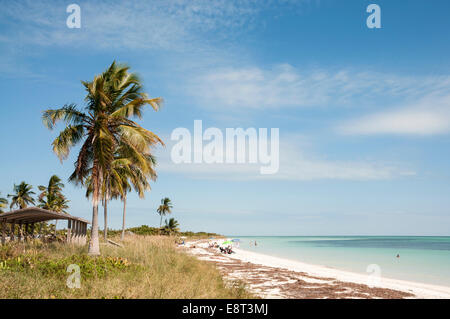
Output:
(146, 267)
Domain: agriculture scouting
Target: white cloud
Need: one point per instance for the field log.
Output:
(428, 117)
(286, 86)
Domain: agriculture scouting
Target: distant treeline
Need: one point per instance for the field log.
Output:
(147, 230)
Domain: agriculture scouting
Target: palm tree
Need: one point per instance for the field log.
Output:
(164, 209)
(125, 173)
(112, 99)
(55, 203)
(3, 204)
(23, 196)
(134, 175)
(54, 186)
(51, 197)
(171, 226)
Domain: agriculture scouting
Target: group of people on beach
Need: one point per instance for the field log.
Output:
(224, 250)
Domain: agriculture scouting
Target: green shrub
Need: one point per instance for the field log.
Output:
(89, 266)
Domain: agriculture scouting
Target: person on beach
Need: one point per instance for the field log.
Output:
(398, 255)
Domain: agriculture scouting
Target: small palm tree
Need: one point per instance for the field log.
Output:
(128, 170)
(54, 187)
(3, 204)
(23, 196)
(133, 175)
(164, 209)
(51, 197)
(55, 203)
(171, 226)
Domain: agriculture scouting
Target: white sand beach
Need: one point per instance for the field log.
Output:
(273, 277)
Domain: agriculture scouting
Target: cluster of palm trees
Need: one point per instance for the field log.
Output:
(164, 209)
(116, 153)
(50, 197)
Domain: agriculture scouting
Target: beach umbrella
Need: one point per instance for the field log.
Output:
(228, 242)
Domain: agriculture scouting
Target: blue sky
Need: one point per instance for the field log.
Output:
(364, 114)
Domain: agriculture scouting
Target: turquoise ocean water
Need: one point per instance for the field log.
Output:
(422, 259)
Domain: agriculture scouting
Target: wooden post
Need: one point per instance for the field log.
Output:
(40, 229)
(32, 230)
(3, 231)
(69, 230)
(74, 231)
(26, 232)
(77, 232)
(13, 229)
(80, 232)
(20, 231)
(85, 233)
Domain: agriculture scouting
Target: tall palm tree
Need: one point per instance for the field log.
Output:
(23, 196)
(51, 197)
(3, 204)
(112, 99)
(164, 209)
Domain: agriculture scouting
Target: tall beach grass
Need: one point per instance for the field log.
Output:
(145, 267)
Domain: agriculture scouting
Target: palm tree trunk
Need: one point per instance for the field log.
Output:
(94, 247)
(160, 221)
(56, 223)
(124, 214)
(105, 213)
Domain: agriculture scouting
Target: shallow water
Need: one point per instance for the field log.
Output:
(422, 259)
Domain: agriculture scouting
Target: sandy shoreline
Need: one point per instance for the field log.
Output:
(274, 277)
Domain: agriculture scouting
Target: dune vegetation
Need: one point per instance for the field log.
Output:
(145, 267)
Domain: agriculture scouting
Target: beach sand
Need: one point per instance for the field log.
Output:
(272, 277)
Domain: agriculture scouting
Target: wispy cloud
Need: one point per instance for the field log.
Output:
(430, 116)
(159, 24)
(287, 86)
(295, 164)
